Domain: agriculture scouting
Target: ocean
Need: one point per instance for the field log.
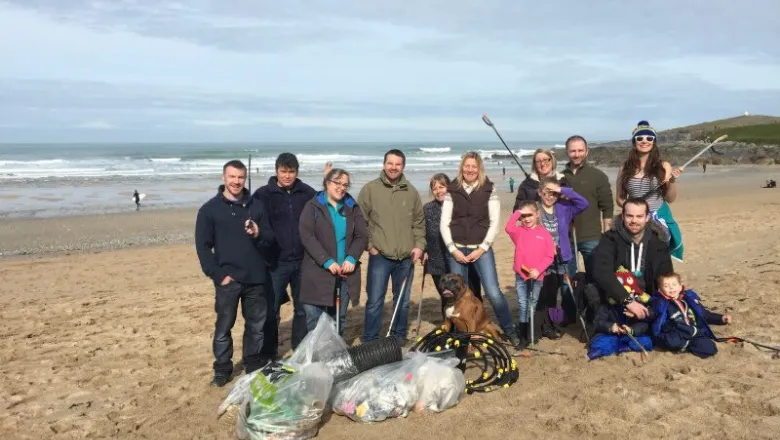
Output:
(45, 180)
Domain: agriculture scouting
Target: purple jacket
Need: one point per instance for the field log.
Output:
(565, 211)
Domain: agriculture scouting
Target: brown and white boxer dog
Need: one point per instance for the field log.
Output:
(463, 310)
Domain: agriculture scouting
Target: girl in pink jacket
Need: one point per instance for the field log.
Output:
(534, 253)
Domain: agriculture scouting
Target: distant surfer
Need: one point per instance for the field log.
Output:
(137, 200)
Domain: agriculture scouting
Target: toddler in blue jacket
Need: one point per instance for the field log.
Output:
(681, 322)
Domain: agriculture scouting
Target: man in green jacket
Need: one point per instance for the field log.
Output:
(593, 184)
(396, 237)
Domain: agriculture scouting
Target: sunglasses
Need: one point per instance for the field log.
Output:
(526, 215)
(550, 193)
(644, 138)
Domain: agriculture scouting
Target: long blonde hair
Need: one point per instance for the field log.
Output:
(481, 176)
(548, 153)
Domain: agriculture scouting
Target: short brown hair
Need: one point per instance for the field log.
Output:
(525, 203)
(660, 279)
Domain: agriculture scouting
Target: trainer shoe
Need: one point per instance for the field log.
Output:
(220, 380)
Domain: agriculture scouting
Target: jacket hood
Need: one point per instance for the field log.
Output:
(322, 199)
(653, 226)
(245, 196)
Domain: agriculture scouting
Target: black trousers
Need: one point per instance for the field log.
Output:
(254, 309)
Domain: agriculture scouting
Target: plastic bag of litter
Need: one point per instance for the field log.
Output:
(440, 384)
(419, 382)
(285, 400)
(380, 393)
(285, 403)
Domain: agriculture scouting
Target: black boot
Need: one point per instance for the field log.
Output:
(522, 335)
(538, 325)
(549, 330)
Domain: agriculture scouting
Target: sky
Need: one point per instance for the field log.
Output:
(378, 70)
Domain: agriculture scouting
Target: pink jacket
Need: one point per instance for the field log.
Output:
(534, 247)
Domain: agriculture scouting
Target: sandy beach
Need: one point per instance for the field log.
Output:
(107, 325)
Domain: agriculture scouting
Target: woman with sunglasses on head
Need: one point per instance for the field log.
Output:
(640, 176)
(544, 165)
(469, 223)
(334, 235)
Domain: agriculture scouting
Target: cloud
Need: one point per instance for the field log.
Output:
(378, 69)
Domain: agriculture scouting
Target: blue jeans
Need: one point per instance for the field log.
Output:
(289, 272)
(523, 287)
(380, 271)
(486, 268)
(313, 313)
(586, 249)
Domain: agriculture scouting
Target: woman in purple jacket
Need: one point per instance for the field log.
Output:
(558, 206)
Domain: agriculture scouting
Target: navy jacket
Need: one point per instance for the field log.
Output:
(284, 211)
(223, 246)
(669, 327)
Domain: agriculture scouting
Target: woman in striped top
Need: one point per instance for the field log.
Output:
(642, 171)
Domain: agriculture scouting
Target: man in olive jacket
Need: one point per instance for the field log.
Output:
(396, 237)
(593, 184)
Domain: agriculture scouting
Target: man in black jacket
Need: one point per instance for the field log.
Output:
(639, 246)
(284, 198)
(231, 231)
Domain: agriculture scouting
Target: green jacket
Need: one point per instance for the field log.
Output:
(591, 183)
(394, 213)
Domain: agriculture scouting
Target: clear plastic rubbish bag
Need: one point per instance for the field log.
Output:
(440, 384)
(285, 403)
(417, 383)
(286, 400)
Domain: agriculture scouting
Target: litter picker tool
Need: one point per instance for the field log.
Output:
(490, 124)
(644, 356)
(690, 161)
(338, 304)
(405, 286)
(567, 281)
(734, 339)
(419, 306)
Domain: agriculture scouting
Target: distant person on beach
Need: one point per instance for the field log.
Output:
(503, 172)
(469, 222)
(704, 166)
(544, 165)
(231, 231)
(592, 184)
(284, 197)
(137, 200)
(334, 235)
(511, 184)
(642, 171)
(434, 258)
(393, 210)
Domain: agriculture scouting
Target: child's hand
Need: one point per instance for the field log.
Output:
(533, 274)
(727, 319)
(615, 328)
